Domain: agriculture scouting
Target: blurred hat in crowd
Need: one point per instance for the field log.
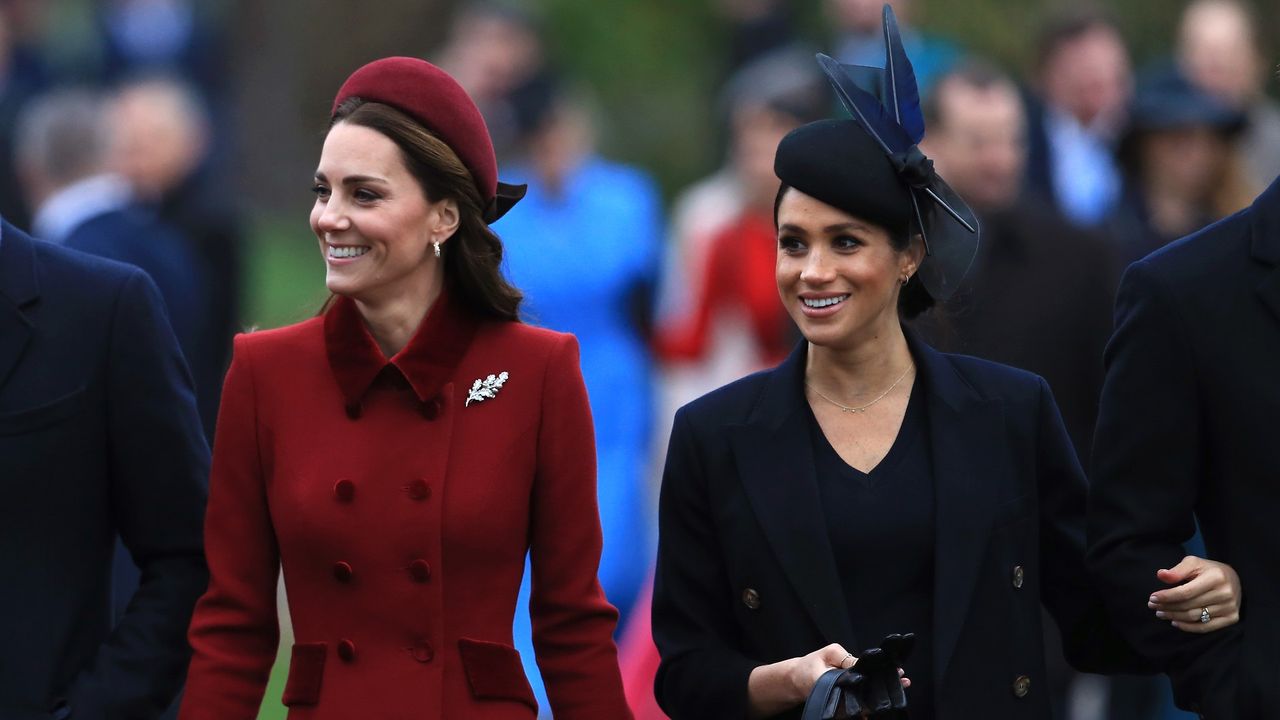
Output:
(432, 97)
(1167, 100)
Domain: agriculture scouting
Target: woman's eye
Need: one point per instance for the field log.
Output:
(790, 243)
(320, 191)
(847, 242)
(366, 195)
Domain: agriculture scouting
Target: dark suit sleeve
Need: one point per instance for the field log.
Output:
(702, 673)
(1089, 639)
(1147, 460)
(159, 468)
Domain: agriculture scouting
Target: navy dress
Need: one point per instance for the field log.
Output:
(881, 526)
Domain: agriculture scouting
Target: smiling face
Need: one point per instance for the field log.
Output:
(374, 221)
(838, 276)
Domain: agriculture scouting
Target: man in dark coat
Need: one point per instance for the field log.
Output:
(1039, 294)
(1187, 434)
(99, 437)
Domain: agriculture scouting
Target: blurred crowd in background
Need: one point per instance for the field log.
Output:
(127, 136)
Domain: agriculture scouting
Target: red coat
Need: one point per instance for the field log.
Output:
(401, 516)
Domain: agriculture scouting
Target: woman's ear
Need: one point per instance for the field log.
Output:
(914, 255)
(446, 219)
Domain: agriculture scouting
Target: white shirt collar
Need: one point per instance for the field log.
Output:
(73, 205)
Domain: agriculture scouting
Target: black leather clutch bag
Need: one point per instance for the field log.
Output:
(870, 688)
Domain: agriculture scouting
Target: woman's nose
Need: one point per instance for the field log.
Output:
(817, 268)
(333, 216)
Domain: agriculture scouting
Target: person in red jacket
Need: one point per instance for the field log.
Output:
(400, 454)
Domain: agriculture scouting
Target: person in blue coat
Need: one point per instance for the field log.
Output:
(99, 437)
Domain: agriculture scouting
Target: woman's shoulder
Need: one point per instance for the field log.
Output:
(728, 404)
(992, 380)
(510, 336)
(289, 339)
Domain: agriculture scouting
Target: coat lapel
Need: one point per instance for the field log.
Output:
(18, 289)
(775, 460)
(964, 430)
(1266, 245)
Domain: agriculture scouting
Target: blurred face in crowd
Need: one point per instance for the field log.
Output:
(1089, 77)
(978, 142)
(491, 54)
(1218, 52)
(1183, 163)
(757, 130)
(156, 142)
(373, 220)
(864, 16)
(838, 276)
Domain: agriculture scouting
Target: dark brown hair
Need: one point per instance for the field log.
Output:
(473, 256)
(913, 299)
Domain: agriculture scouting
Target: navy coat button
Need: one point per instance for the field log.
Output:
(751, 599)
(1021, 686)
(346, 650)
(419, 489)
(342, 571)
(420, 570)
(422, 652)
(1018, 577)
(344, 490)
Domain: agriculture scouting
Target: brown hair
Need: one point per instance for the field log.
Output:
(473, 256)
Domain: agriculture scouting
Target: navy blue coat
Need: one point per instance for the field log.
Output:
(1189, 429)
(746, 574)
(99, 436)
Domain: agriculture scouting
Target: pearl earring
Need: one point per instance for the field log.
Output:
(436, 244)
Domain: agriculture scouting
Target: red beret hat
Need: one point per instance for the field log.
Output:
(429, 95)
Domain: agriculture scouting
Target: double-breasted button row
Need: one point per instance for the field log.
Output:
(1021, 686)
(751, 599)
(419, 570)
(344, 491)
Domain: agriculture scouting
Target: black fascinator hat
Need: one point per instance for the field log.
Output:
(871, 166)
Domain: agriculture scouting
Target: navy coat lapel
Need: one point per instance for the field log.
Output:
(1266, 245)
(774, 452)
(964, 431)
(18, 288)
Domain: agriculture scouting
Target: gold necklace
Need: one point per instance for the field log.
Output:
(861, 408)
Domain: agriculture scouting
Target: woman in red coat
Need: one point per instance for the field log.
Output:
(400, 454)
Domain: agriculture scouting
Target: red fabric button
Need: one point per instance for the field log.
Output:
(342, 571)
(431, 408)
(346, 650)
(420, 570)
(419, 489)
(344, 490)
(422, 652)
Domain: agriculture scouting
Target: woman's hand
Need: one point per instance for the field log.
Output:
(1201, 585)
(776, 688)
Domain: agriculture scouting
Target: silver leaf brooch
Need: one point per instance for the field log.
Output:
(486, 388)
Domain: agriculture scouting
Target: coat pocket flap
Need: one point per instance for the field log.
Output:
(306, 670)
(494, 672)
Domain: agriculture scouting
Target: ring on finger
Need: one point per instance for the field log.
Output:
(1205, 616)
(849, 656)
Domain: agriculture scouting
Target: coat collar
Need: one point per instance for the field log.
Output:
(775, 455)
(18, 289)
(427, 361)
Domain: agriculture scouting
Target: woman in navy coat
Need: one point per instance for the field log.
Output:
(871, 485)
